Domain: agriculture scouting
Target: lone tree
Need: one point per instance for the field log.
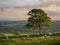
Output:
(38, 19)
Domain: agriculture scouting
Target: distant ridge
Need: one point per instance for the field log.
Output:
(19, 26)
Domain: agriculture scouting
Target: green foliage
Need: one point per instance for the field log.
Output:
(53, 40)
(36, 35)
(38, 19)
(33, 39)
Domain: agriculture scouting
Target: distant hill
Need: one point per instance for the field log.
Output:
(56, 26)
(19, 26)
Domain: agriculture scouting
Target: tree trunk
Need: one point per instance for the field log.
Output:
(40, 30)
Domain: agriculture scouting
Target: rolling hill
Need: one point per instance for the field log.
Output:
(19, 26)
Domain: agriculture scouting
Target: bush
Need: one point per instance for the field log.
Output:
(56, 34)
(23, 36)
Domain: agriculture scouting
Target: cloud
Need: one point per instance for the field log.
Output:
(18, 9)
(14, 14)
(53, 11)
(53, 7)
(22, 3)
(27, 3)
(55, 17)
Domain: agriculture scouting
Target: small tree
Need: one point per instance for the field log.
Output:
(38, 19)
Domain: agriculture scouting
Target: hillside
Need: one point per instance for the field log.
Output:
(19, 26)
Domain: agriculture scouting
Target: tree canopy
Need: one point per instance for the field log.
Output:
(38, 19)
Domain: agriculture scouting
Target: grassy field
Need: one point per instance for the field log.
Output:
(23, 40)
(12, 26)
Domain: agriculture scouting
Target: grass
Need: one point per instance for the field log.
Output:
(52, 40)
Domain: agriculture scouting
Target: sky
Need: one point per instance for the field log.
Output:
(18, 9)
